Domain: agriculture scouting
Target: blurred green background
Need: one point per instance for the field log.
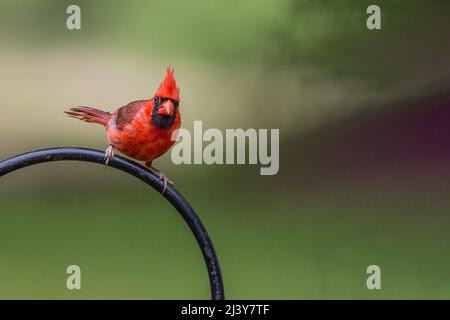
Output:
(364, 149)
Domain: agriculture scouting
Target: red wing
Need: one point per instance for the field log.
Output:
(126, 114)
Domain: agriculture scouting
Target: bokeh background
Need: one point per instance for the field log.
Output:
(364, 164)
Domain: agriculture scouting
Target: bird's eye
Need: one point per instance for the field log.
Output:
(156, 99)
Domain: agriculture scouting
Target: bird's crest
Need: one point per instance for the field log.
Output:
(168, 88)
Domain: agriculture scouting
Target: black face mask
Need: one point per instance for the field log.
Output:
(160, 121)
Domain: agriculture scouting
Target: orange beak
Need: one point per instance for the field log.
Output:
(166, 109)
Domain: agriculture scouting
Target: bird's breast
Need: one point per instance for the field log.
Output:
(140, 139)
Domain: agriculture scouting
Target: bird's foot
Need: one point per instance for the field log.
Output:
(163, 177)
(109, 154)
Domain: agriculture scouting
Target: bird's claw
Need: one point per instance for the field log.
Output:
(109, 154)
(166, 181)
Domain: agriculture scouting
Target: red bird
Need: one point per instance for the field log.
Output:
(142, 129)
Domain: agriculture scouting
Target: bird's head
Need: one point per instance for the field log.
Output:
(166, 101)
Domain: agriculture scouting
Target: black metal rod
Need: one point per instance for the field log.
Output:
(140, 172)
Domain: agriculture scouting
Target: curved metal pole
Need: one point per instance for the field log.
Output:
(131, 167)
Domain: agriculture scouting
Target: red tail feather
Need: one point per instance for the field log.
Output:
(89, 115)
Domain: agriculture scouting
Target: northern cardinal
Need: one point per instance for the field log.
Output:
(142, 129)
